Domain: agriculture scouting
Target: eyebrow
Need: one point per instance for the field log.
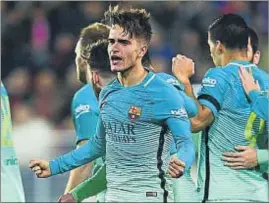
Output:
(120, 40)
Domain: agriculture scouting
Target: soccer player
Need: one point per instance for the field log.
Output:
(84, 105)
(84, 108)
(246, 156)
(225, 114)
(137, 121)
(97, 183)
(11, 182)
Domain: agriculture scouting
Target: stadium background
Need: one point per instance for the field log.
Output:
(38, 69)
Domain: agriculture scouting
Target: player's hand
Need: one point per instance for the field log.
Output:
(245, 158)
(40, 168)
(176, 167)
(182, 68)
(67, 198)
(248, 81)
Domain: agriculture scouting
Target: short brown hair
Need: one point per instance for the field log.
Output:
(133, 21)
(92, 34)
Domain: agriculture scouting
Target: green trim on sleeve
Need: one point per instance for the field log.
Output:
(92, 186)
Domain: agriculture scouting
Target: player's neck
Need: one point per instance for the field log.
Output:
(234, 55)
(133, 76)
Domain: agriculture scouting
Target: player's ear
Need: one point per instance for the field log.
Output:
(143, 51)
(256, 57)
(219, 47)
(95, 77)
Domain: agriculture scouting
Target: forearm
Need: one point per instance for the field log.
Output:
(185, 150)
(77, 176)
(183, 141)
(85, 154)
(263, 159)
(92, 186)
(200, 121)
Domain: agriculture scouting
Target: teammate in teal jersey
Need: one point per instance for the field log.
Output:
(85, 105)
(225, 112)
(97, 183)
(247, 156)
(141, 136)
(84, 108)
(11, 182)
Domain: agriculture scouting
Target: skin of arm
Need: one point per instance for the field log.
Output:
(183, 69)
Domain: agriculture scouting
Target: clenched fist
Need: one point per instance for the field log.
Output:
(40, 168)
(182, 68)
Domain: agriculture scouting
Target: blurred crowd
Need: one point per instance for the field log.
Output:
(38, 41)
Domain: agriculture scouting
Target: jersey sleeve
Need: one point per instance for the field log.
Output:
(173, 113)
(259, 104)
(88, 152)
(190, 105)
(85, 120)
(92, 186)
(214, 87)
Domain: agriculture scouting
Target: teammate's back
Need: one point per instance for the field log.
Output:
(234, 125)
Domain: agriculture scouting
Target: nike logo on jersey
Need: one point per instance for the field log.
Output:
(81, 109)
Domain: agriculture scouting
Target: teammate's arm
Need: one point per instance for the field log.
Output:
(246, 158)
(211, 94)
(92, 186)
(88, 188)
(259, 103)
(93, 149)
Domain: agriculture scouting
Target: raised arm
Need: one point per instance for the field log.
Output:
(211, 95)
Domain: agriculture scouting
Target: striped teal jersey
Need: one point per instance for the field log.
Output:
(135, 130)
(138, 130)
(85, 112)
(234, 124)
(11, 182)
(185, 187)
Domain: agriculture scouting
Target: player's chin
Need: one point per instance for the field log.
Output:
(115, 68)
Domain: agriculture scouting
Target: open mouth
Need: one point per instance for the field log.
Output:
(115, 59)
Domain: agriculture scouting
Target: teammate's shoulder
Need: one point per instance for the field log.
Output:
(85, 92)
(215, 70)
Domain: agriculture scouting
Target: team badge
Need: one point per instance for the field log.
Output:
(134, 112)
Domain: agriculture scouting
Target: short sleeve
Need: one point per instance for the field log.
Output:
(213, 90)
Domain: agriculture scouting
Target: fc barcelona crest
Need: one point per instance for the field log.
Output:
(134, 112)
